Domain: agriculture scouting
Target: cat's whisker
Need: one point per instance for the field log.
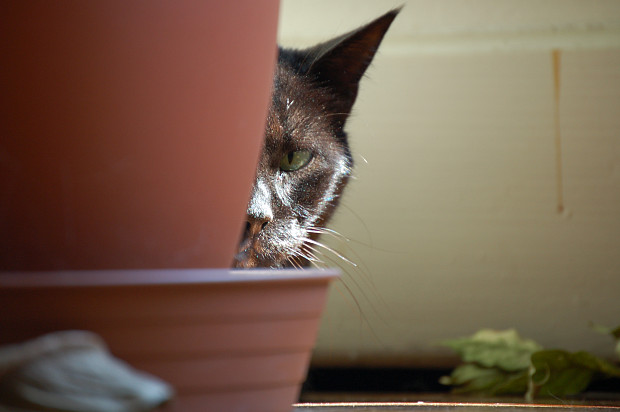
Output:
(364, 323)
(327, 231)
(350, 298)
(297, 256)
(319, 264)
(290, 259)
(310, 253)
(314, 242)
(361, 277)
(362, 270)
(358, 286)
(295, 262)
(369, 290)
(337, 235)
(302, 253)
(356, 291)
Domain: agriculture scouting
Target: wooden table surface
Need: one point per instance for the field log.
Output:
(445, 402)
(422, 406)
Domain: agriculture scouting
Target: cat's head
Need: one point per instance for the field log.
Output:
(306, 162)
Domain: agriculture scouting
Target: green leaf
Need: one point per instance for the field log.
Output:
(490, 348)
(501, 362)
(561, 373)
(587, 360)
(605, 330)
(616, 335)
(475, 379)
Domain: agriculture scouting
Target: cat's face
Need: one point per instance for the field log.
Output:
(301, 172)
(305, 162)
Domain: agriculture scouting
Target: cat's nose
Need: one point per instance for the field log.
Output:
(255, 225)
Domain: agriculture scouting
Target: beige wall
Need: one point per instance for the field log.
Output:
(453, 216)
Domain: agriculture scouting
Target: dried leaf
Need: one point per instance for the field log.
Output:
(503, 349)
(561, 373)
(474, 379)
(501, 362)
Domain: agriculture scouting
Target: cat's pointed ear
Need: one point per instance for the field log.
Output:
(340, 63)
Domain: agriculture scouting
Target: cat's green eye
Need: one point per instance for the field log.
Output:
(295, 160)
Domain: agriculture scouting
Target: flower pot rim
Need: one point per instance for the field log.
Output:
(138, 277)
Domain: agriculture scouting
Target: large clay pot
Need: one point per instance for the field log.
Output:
(227, 341)
(130, 130)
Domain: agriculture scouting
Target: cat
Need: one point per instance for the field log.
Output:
(306, 161)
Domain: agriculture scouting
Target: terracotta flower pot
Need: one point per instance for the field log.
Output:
(130, 130)
(227, 341)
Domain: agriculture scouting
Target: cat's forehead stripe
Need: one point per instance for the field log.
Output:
(289, 103)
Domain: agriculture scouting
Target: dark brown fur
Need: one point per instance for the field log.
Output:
(314, 91)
